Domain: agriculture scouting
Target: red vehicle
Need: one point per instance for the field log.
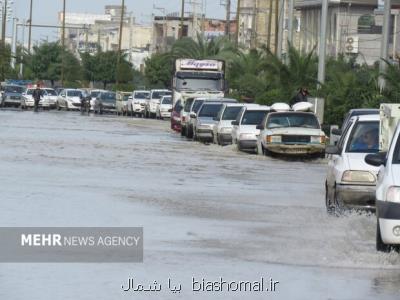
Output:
(176, 116)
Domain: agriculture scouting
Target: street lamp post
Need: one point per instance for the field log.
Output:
(63, 46)
(30, 27)
(121, 26)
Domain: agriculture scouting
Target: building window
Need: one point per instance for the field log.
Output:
(366, 25)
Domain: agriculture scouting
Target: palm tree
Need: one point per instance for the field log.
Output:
(201, 48)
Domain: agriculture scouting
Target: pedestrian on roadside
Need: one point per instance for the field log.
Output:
(301, 96)
(37, 95)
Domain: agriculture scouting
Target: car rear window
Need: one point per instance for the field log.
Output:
(364, 138)
(253, 117)
(210, 110)
(231, 113)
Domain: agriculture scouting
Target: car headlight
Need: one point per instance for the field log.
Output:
(274, 139)
(247, 136)
(358, 176)
(393, 194)
(226, 130)
(318, 139)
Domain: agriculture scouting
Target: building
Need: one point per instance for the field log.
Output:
(86, 32)
(354, 28)
(167, 29)
(259, 21)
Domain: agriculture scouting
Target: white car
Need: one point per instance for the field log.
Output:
(152, 104)
(388, 195)
(28, 101)
(136, 106)
(49, 98)
(223, 128)
(69, 99)
(164, 109)
(94, 94)
(350, 181)
(205, 120)
(244, 130)
(291, 133)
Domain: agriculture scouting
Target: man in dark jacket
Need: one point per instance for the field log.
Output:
(301, 96)
(37, 95)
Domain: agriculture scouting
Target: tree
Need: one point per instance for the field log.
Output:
(159, 70)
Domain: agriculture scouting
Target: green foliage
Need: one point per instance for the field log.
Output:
(159, 70)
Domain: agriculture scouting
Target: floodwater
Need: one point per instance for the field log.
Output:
(207, 212)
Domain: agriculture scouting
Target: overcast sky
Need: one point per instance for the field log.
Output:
(46, 11)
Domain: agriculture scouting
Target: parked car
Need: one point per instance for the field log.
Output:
(105, 102)
(350, 181)
(387, 193)
(195, 107)
(223, 128)
(28, 101)
(152, 104)
(137, 105)
(122, 99)
(244, 130)
(185, 116)
(176, 116)
(94, 94)
(69, 99)
(12, 96)
(205, 120)
(336, 133)
(49, 98)
(291, 133)
(164, 109)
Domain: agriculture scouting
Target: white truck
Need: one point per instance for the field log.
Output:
(388, 183)
(197, 79)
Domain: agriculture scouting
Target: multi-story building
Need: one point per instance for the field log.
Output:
(86, 32)
(354, 28)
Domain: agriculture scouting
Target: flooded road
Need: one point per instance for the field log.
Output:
(207, 212)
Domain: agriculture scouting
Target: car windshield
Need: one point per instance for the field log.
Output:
(231, 113)
(51, 92)
(293, 120)
(74, 93)
(178, 106)
(364, 138)
(196, 105)
(396, 154)
(126, 97)
(206, 84)
(188, 104)
(94, 94)
(14, 89)
(253, 117)
(167, 100)
(142, 95)
(209, 110)
(159, 94)
(108, 97)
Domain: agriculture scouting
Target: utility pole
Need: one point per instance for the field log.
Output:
(290, 23)
(3, 31)
(21, 67)
(269, 24)
(14, 43)
(237, 22)
(121, 26)
(182, 18)
(276, 25)
(384, 43)
(228, 18)
(281, 24)
(30, 27)
(322, 43)
(62, 46)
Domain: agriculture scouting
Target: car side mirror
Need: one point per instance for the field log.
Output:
(376, 159)
(235, 123)
(260, 127)
(336, 131)
(193, 115)
(334, 150)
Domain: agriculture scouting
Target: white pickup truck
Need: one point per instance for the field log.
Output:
(388, 183)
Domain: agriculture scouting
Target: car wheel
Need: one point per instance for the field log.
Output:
(380, 245)
(189, 132)
(330, 208)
